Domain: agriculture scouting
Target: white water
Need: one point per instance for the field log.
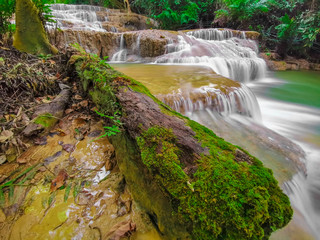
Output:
(240, 100)
(227, 55)
(77, 17)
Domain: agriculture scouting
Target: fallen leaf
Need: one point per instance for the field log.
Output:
(41, 141)
(66, 79)
(69, 110)
(122, 229)
(94, 109)
(58, 75)
(77, 97)
(84, 103)
(46, 100)
(52, 78)
(95, 133)
(2, 158)
(68, 147)
(52, 158)
(5, 135)
(59, 181)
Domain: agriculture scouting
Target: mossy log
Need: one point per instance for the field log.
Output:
(30, 35)
(193, 184)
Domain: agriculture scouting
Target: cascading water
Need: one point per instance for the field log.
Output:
(222, 50)
(121, 55)
(239, 100)
(227, 55)
(76, 17)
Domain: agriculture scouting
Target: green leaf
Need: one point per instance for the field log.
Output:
(67, 192)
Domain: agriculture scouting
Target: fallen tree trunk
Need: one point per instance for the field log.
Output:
(192, 183)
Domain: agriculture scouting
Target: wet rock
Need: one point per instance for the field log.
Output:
(46, 115)
(95, 133)
(68, 147)
(240, 156)
(52, 158)
(2, 216)
(121, 230)
(41, 141)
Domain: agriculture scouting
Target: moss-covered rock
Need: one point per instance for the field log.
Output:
(192, 183)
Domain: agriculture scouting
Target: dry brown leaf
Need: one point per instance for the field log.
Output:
(41, 141)
(69, 110)
(84, 103)
(122, 229)
(68, 147)
(5, 135)
(2, 158)
(77, 97)
(59, 181)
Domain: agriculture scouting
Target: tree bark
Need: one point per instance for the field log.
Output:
(30, 35)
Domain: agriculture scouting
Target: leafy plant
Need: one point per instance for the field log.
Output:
(287, 28)
(7, 8)
(114, 129)
(241, 11)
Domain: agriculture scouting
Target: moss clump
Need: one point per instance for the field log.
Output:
(46, 120)
(161, 156)
(224, 199)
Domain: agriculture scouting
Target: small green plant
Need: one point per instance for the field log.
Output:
(45, 57)
(114, 129)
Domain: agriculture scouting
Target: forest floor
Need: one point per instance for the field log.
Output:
(57, 176)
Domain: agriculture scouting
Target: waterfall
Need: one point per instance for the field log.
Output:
(121, 55)
(239, 100)
(77, 17)
(228, 55)
(227, 52)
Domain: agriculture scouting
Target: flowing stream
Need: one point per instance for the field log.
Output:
(275, 117)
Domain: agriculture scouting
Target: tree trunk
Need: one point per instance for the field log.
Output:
(30, 35)
(127, 5)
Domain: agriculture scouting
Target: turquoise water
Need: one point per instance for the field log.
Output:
(300, 87)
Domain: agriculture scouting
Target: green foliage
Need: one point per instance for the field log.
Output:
(224, 199)
(171, 14)
(7, 8)
(114, 129)
(287, 28)
(309, 28)
(241, 11)
(97, 73)
(172, 19)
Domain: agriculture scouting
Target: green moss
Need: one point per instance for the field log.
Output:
(47, 120)
(161, 156)
(224, 199)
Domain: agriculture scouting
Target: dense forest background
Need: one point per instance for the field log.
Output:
(287, 27)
